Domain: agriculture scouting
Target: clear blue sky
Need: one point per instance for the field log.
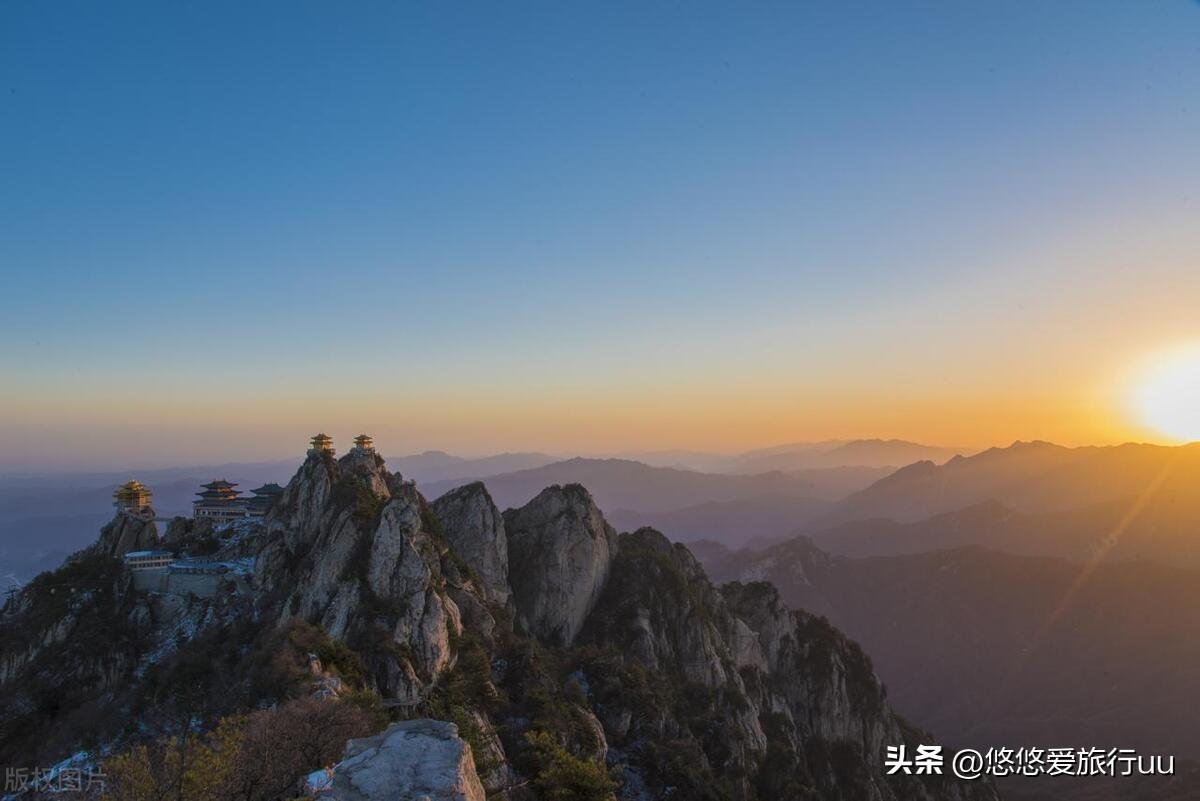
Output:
(436, 204)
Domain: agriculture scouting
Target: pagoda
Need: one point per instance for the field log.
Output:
(132, 496)
(220, 502)
(364, 443)
(321, 443)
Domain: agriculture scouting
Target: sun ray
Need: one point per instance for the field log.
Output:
(1086, 570)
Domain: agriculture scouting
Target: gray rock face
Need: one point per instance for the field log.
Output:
(358, 558)
(127, 532)
(764, 661)
(560, 549)
(660, 608)
(475, 530)
(754, 699)
(368, 466)
(300, 512)
(416, 759)
(829, 685)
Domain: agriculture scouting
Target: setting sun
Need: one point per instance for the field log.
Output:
(1167, 398)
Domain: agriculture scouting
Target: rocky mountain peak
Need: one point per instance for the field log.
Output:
(560, 550)
(790, 683)
(127, 532)
(353, 547)
(474, 529)
(298, 512)
(622, 668)
(369, 467)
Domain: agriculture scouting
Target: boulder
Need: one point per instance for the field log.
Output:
(415, 759)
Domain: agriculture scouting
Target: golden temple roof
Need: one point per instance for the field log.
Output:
(132, 492)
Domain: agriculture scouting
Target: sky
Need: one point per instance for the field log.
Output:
(588, 227)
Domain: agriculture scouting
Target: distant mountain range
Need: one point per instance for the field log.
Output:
(1092, 487)
(891, 453)
(512, 635)
(1028, 477)
(995, 649)
(432, 466)
(1160, 527)
(43, 517)
(863, 453)
(1027, 593)
(623, 484)
(741, 522)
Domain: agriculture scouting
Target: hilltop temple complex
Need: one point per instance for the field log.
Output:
(173, 571)
(220, 500)
(133, 497)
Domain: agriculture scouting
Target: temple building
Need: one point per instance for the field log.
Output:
(264, 498)
(148, 560)
(364, 443)
(132, 496)
(322, 442)
(220, 502)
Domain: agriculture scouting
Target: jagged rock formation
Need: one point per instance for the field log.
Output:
(368, 466)
(354, 550)
(127, 532)
(618, 655)
(417, 759)
(475, 530)
(560, 549)
(751, 690)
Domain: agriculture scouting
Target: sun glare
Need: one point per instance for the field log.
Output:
(1167, 398)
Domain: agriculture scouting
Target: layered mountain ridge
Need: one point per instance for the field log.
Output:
(569, 658)
(996, 649)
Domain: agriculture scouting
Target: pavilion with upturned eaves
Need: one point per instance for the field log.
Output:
(321, 443)
(132, 496)
(220, 502)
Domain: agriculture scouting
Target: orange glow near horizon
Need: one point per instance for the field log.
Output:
(717, 419)
(952, 400)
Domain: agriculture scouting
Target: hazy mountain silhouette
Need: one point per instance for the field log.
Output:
(798, 456)
(862, 452)
(433, 466)
(629, 485)
(1159, 527)
(734, 523)
(1029, 477)
(989, 648)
